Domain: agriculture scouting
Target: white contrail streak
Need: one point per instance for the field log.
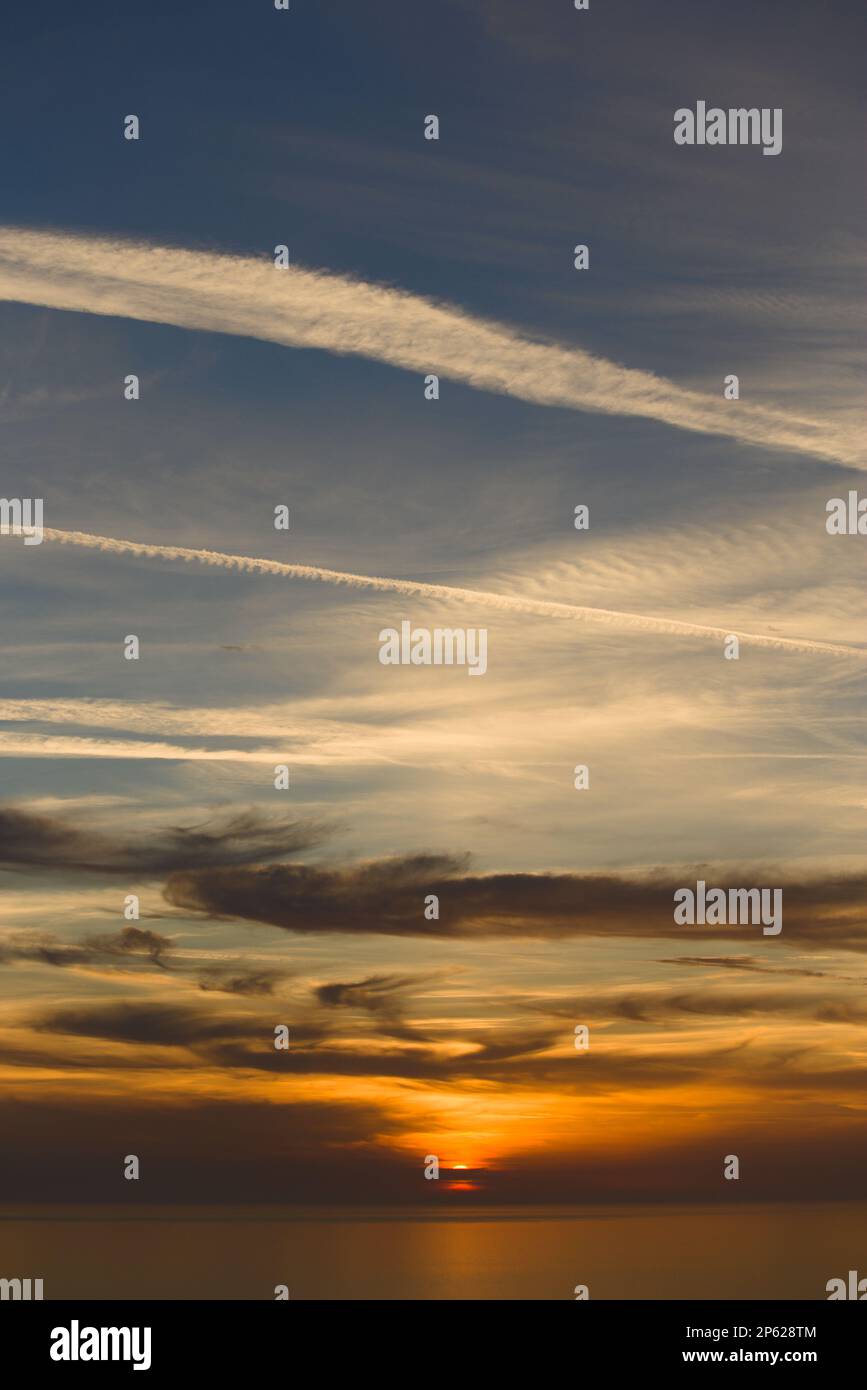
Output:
(508, 603)
(14, 745)
(303, 308)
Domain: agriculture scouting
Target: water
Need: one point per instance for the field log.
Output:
(752, 1252)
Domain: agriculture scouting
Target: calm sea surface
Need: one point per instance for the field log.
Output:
(516, 1253)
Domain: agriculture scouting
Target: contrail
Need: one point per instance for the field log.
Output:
(317, 309)
(508, 603)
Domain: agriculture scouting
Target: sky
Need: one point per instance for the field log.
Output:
(303, 386)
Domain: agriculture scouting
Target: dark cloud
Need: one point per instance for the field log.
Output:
(382, 998)
(239, 1152)
(164, 1025)
(225, 980)
(94, 951)
(747, 963)
(234, 1152)
(664, 1005)
(131, 941)
(136, 1022)
(387, 897)
(58, 843)
(378, 994)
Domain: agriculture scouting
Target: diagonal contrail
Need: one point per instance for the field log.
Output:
(508, 603)
(317, 309)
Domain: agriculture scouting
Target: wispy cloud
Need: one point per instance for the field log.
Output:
(56, 842)
(304, 308)
(14, 745)
(95, 951)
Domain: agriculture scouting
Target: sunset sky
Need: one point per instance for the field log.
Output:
(304, 387)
